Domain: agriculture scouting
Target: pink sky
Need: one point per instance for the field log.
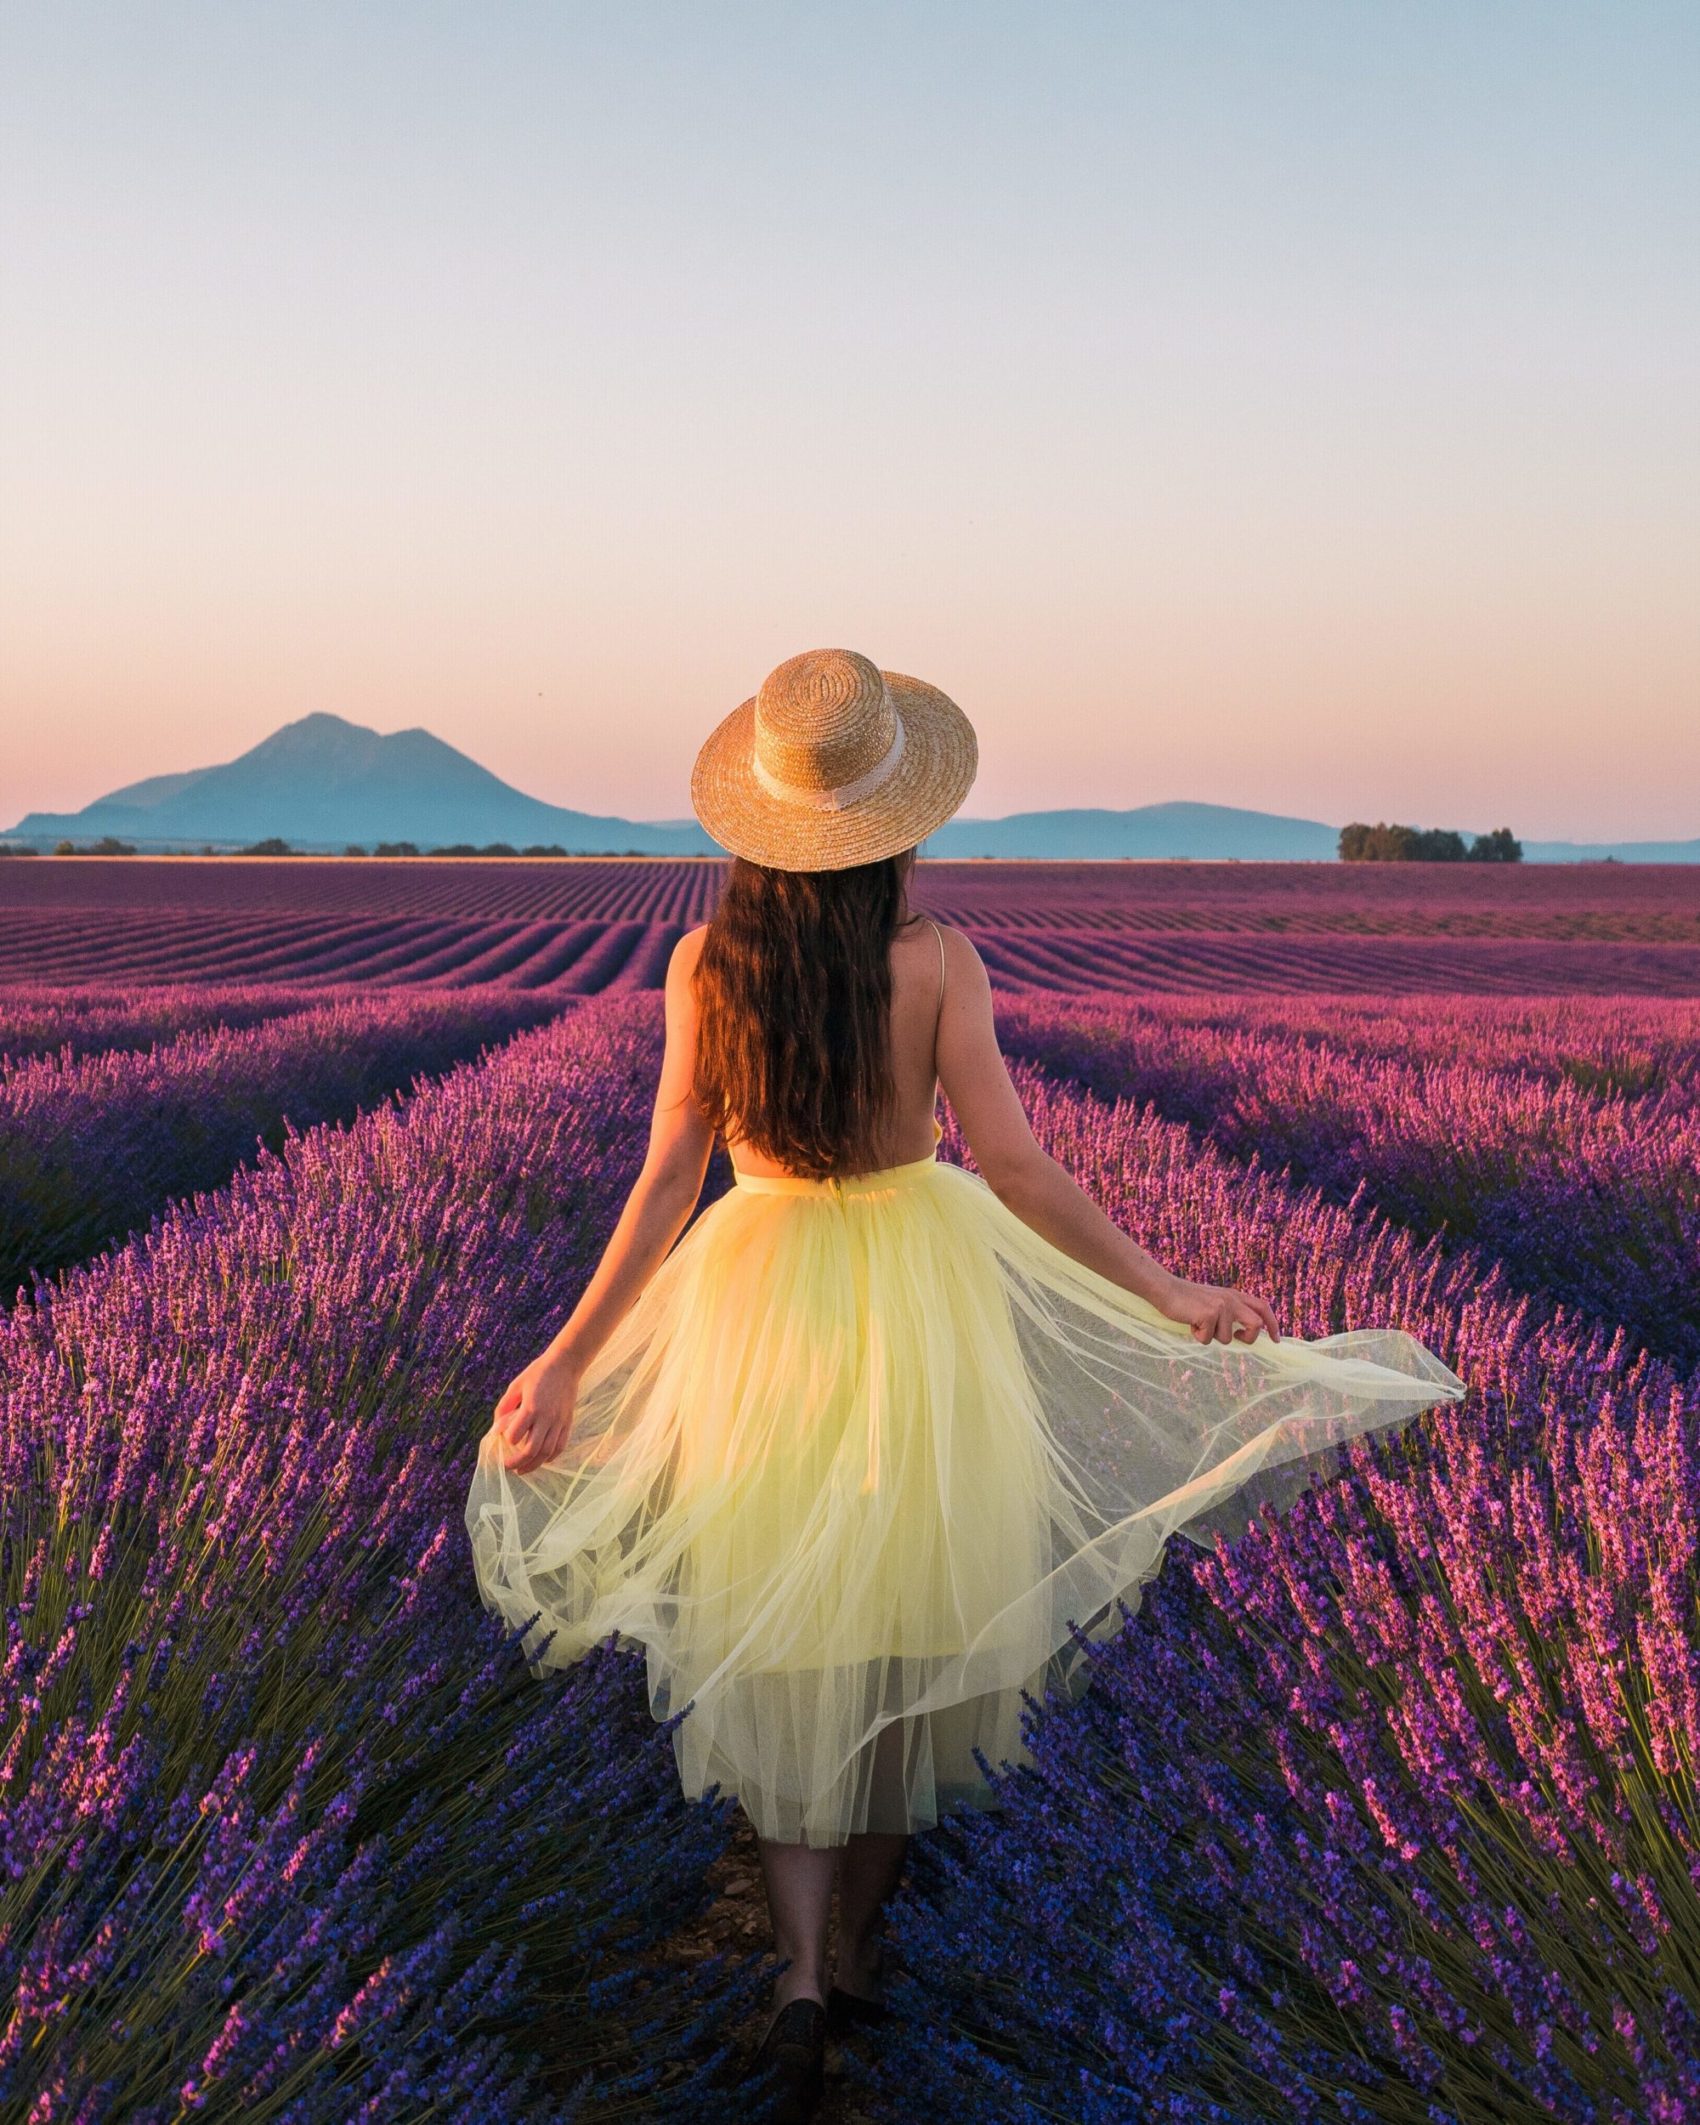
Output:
(1303, 417)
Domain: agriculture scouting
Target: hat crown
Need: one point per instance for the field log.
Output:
(823, 720)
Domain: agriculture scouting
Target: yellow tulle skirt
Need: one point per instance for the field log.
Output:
(859, 1456)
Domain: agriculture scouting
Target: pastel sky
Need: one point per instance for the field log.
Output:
(1282, 405)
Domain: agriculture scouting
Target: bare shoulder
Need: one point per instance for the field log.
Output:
(965, 979)
(686, 951)
(679, 985)
(920, 931)
(961, 956)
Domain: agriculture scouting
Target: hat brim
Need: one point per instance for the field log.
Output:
(935, 772)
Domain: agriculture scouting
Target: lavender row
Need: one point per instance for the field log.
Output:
(1386, 1812)
(1591, 1198)
(1636, 1047)
(287, 1831)
(38, 1022)
(90, 1148)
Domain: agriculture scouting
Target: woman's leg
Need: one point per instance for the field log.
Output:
(867, 1874)
(799, 1882)
(869, 1870)
(799, 1902)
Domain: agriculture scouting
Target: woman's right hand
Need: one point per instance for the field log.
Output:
(534, 1418)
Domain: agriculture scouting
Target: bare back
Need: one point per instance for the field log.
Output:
(917, 992)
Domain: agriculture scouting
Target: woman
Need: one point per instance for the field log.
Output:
(852, 1456)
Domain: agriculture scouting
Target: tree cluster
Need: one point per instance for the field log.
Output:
(1425, 844)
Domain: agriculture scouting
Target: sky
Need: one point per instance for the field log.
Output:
(1288, 406)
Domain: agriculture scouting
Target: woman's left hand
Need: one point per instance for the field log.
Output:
(1218, 1313)
(534, 1418)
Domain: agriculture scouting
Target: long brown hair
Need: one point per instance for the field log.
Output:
(794, 1007)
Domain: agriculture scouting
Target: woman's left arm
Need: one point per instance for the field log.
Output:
(534, 1418)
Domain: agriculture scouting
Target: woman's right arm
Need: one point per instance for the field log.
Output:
(1024, 1177)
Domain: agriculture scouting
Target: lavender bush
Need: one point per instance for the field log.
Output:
(1386, 1812)
(90, 1148)
(1591, 1196)
(287, 1831)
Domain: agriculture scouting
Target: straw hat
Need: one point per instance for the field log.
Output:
(833, 762)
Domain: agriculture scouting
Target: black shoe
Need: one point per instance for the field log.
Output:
(848, 2010)
(791, 2058)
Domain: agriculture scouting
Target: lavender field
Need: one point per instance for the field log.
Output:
(1385, 1813)
(590, 925)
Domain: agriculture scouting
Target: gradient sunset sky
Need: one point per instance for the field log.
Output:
(1283, 405)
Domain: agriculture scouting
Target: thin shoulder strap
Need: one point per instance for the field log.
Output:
(939, 934)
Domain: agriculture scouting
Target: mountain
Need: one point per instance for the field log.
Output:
(1201, 831)
(323, 782)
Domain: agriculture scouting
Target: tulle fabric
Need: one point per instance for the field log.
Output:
(857, 1458)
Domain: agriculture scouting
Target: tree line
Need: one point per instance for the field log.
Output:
(1425, 844)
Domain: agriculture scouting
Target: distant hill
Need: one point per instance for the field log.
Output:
(1222, 833)
(323, 782)
(1201, 831)
(1611, 851)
